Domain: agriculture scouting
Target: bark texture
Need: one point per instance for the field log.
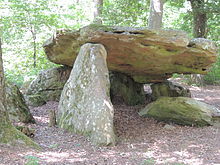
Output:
(199, 18)
(156, 14)
(3, 116)
(98, 5)
(199, 30)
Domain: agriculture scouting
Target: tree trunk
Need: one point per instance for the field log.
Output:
(199, 30)
(199, 18)
(3, 116)
(8, 133)
(156, 14)
(34, 45)
(98, 5)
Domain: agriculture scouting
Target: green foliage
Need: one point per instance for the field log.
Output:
(32, 160)
(213, 77)
(25, 25)
(54, 145)
(148, 161)
(121, 13)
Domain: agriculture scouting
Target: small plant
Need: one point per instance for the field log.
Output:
(149, 161)
(213, 76)
(32, 160)
(179, 163)
(53, 145)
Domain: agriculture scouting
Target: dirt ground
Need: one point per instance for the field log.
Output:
(140, 141)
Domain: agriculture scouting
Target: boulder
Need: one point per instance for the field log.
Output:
(47, 86)
(85, 105)
(35, 100)
(15, 104)
(183, 111)
(126, 89)
(145, 55)
(169, 89)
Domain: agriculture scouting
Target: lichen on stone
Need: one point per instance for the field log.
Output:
(85, 107)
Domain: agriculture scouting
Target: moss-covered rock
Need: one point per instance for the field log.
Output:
(169, 89)
(183, 111)
(123, 86)
(35, 100)
(15, 104)
(85, 106)
(11, 136)
(47, 86)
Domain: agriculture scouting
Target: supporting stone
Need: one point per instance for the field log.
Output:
(47, 86)
(169, 89)
(85, 105)
(15, 104)
(125, 88)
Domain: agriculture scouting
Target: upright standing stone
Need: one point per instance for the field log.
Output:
(85, 105)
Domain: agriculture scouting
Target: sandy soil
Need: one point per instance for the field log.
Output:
(140, 141)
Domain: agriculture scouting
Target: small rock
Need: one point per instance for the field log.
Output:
(169, 127)
(170, 89)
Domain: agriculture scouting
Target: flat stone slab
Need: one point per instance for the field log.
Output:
(146, 55)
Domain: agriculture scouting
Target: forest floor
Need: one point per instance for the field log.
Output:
(141, 141)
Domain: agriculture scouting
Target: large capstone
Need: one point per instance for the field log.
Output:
(124, 88)
(145, 55)
(47, 86)
(85, 105)
(15, 104)
(183, 111)
(169, 89)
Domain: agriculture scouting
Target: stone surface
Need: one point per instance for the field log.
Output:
(34, 100)
(169, 127)
(85, 105)
(126, 89)
(169, 89)
(47, 86)
(146, 55)
(16, 106)
(183, 111)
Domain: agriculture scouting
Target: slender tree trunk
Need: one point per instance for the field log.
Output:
(156, 14)
(34, 46)
(199, 18)
(98, 5)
